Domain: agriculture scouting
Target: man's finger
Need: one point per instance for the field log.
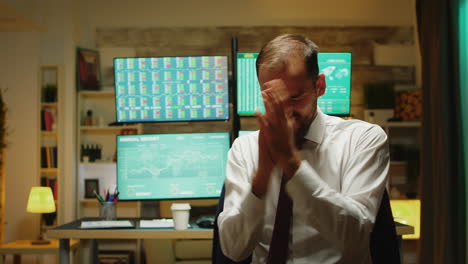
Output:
(261, 120)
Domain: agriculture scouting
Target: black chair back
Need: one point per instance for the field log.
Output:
(384, 243)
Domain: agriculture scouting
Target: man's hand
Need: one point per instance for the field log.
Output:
(277, 125)
(265, 164)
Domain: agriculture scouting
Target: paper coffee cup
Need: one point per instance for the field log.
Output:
(181, 215)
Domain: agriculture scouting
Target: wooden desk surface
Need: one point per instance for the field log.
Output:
(402, 229)
(72, 230)
(25, 247)
(131, 234)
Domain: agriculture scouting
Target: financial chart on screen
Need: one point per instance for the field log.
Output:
(163, 89)
(171, 166)
(335, 65)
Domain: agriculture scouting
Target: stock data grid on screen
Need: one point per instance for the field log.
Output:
(335, 66)
(249, 98)
(171, 166)
(171, 89)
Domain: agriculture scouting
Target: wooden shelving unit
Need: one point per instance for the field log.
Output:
(50, 132)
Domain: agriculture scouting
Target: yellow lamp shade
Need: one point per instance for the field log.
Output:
(41, 200)
(408, 212)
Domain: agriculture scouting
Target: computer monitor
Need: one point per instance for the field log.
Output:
(335, 65)
(171, 166)
(165, 89)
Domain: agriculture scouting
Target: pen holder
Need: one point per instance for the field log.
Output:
(107, 210)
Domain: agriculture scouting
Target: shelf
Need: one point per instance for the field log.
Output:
(398, 163)
(97, 163)
(94, 201)
(50, 172)
(98, 94)
(49, 133)
(88, 200)
(106, 128)
(402, 124)
(51, 105)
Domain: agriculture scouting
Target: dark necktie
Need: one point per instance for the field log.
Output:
(280, 239)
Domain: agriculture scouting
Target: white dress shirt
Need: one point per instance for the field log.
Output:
(336, 194)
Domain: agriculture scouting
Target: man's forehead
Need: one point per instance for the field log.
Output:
(292, 65)
(293, 70)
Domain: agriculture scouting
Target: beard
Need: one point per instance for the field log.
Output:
(301, 126)
(300, 130)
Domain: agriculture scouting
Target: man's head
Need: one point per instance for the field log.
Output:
(293, 59)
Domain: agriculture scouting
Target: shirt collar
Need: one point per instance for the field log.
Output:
(316, 129)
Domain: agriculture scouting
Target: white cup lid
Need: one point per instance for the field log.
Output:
(180, 206)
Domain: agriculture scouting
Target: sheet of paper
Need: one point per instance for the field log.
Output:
(107, 224)
(157, 223)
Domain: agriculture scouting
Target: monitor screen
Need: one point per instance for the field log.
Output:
(166, 89)
(335, 65)
(171, 166)
(245, 132)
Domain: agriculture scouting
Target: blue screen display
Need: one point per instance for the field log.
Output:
(166, 89)
(171, 166)
(335, 65)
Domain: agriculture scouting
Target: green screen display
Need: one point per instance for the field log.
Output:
(463, 60)
(335, 65)
(171, 166)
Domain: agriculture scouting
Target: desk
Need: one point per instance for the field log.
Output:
(20, 247)
(71, 230)
(402, 229)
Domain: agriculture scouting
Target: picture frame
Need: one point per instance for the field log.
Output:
(88, 70)
(91, 185)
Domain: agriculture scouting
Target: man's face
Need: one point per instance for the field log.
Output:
(302, 102)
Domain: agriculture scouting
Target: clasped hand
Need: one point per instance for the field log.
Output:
(276, 138)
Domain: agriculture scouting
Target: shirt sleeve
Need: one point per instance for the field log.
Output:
(241, 221)
(345, 217)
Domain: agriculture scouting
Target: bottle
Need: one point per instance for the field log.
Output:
(88, 120)
(372, 117)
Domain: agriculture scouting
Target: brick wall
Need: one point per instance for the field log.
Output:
(361, 41)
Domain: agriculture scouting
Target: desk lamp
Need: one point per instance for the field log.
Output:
(41, 201)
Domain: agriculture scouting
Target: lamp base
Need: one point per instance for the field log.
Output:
(40, 242)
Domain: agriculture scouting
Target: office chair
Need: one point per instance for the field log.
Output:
(384, 246)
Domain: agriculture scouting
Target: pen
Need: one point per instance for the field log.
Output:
(98, 197)
(116, 196)
(106, 193)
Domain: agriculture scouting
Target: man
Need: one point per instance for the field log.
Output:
(326, 175)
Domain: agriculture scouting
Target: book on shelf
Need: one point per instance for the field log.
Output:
(52, 183)
(48, 117)
(49, 157)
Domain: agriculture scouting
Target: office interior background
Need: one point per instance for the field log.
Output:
(410, 43)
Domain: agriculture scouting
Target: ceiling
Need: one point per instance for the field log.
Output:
(11, 21)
